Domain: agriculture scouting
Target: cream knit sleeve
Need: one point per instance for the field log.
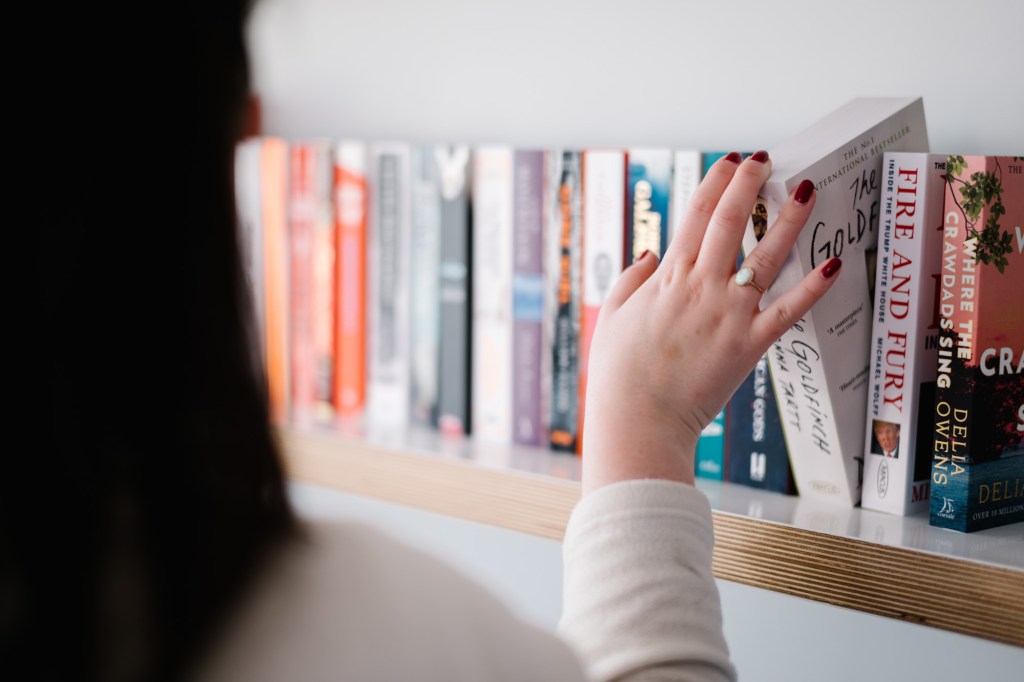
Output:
(640, 602)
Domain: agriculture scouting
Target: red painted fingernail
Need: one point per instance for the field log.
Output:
(831, 267)
(644, 256)
(760, 156)
(735, 157)
(804, 192)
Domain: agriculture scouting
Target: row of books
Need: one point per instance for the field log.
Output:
(458, 287)
(922, 336)
(446, 286)
(947, 363)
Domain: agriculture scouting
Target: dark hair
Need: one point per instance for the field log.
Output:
(153, 490)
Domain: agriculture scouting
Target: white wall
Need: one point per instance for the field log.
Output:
(742, 74)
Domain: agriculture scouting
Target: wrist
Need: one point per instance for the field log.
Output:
(611, 455)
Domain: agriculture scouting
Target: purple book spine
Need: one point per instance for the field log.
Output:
(528, 296)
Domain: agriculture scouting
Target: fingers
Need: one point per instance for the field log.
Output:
(785, 311)
(686, 241)
(766, 260)
(631, 279)
(725, 232)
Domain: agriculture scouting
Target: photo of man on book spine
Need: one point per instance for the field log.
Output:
(886, 441)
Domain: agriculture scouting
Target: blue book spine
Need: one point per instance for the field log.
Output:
(755, 445)
(710, 456)
(648, 190)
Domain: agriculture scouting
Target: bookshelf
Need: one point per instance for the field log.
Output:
(719, 76)
(872, 562)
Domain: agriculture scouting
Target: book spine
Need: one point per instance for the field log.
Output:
(351, 211)
(527, 296)
(949, 485)
(491, 395)
(604, 207)
(687, 172)
(274, 195)
(388, 396)
(708, 158)
(425, 277)
(904, 335)
(978, 452)
(709, 458)
(301, 208)
(648, 188)
(456, 266)
(324, 286)
(566, 283)
(755, 446)
(799, 374)
(552, 247)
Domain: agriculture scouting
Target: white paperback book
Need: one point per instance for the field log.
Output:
(604, 225)
(905, 334)
(424, 285)
(686, 175)
(491, 376)
(819, 366)
(387, 291)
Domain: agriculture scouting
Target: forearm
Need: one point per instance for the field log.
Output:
(640, 600)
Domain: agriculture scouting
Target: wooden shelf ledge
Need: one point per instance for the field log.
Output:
(947, 592)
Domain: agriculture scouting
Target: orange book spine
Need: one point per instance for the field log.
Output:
(274, 193)
(350, 202)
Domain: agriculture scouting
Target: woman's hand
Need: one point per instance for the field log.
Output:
(674, 340)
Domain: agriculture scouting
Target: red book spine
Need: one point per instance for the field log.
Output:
(350, 201)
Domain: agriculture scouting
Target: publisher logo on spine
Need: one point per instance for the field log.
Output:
(948, 511)
(882, 480)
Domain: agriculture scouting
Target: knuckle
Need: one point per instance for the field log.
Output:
(693, 288)
(793, 217)
(762, 261)
(702, 206)
(668, 276)
(730, 214)
(782, 318)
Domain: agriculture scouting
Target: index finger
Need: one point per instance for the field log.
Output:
(689, 234)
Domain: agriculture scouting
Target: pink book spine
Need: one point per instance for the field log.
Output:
(301, 282)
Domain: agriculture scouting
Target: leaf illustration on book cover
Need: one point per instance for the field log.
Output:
(983, 189)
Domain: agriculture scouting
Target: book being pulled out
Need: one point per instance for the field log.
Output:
(820, 366)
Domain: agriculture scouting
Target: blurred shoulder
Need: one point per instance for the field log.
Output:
(348, 601)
